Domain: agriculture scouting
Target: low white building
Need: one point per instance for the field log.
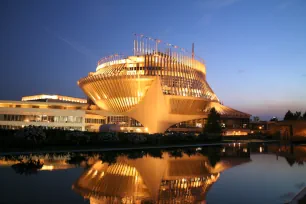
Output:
(53, 114)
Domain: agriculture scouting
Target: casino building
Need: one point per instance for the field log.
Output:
(160, 86)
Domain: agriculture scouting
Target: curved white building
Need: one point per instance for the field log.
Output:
(155, 87)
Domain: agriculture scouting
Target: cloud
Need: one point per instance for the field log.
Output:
(303, 75)
(74, 45)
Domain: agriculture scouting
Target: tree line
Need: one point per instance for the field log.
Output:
(295, 116)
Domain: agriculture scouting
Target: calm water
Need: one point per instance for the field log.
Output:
(222, 174)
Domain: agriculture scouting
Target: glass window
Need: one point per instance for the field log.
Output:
(71, 119)
(57, 119)
(51, 118)
(44, 118)
(79, 119)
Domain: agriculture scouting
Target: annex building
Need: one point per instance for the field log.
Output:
(52, 111)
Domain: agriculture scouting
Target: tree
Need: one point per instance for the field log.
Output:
(213, 155)
(274, 119)
(304, 116)
(289, 115)
(256, 119)
(213, 122)
(297, 115)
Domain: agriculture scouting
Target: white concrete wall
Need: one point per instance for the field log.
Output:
(48, 112)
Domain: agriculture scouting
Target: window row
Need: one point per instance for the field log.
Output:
(198, 123)
(14, 127)
(41, 118)
(115, 119)
(227, 123)
(40, 107)
(124, 121)
(93, 120)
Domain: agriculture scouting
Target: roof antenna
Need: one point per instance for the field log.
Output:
(192, 51)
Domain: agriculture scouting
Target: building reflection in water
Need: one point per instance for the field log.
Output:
(151, 176)
(293, 154)
(184, 179)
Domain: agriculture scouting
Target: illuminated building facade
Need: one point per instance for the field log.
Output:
(62, 114)
(53, 98)
(160, 86)
(183, 179)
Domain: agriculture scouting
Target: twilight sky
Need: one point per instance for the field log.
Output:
(255, 51)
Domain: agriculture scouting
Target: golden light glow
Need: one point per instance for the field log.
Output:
(47, 167)
(54, 97)
(123, 182)
(102, 174)
(119, 94)
(174, 81)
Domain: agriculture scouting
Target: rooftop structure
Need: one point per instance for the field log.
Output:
(59, 98)
(160, 85)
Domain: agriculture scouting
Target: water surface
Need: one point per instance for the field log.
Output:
(234, 173)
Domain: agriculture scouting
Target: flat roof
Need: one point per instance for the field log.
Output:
(42, 103)
(53, 97)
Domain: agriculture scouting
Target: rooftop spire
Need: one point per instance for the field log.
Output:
(192, 50)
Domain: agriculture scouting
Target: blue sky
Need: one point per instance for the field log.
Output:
(255, 51)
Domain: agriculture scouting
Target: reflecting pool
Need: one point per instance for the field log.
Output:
(232, 173)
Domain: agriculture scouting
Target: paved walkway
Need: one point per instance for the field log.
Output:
(136, 148)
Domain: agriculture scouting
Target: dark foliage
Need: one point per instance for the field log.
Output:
(190, 151)
(27, 168)
(304, 116)
(213, 153)
(156, 153)
(135, 154)
(176, 153)
(109, 157)
(289, 115)
(60, 139)
(295, 116)
(256, 119)
(290, 161)
(76, 159)
(213, 122)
